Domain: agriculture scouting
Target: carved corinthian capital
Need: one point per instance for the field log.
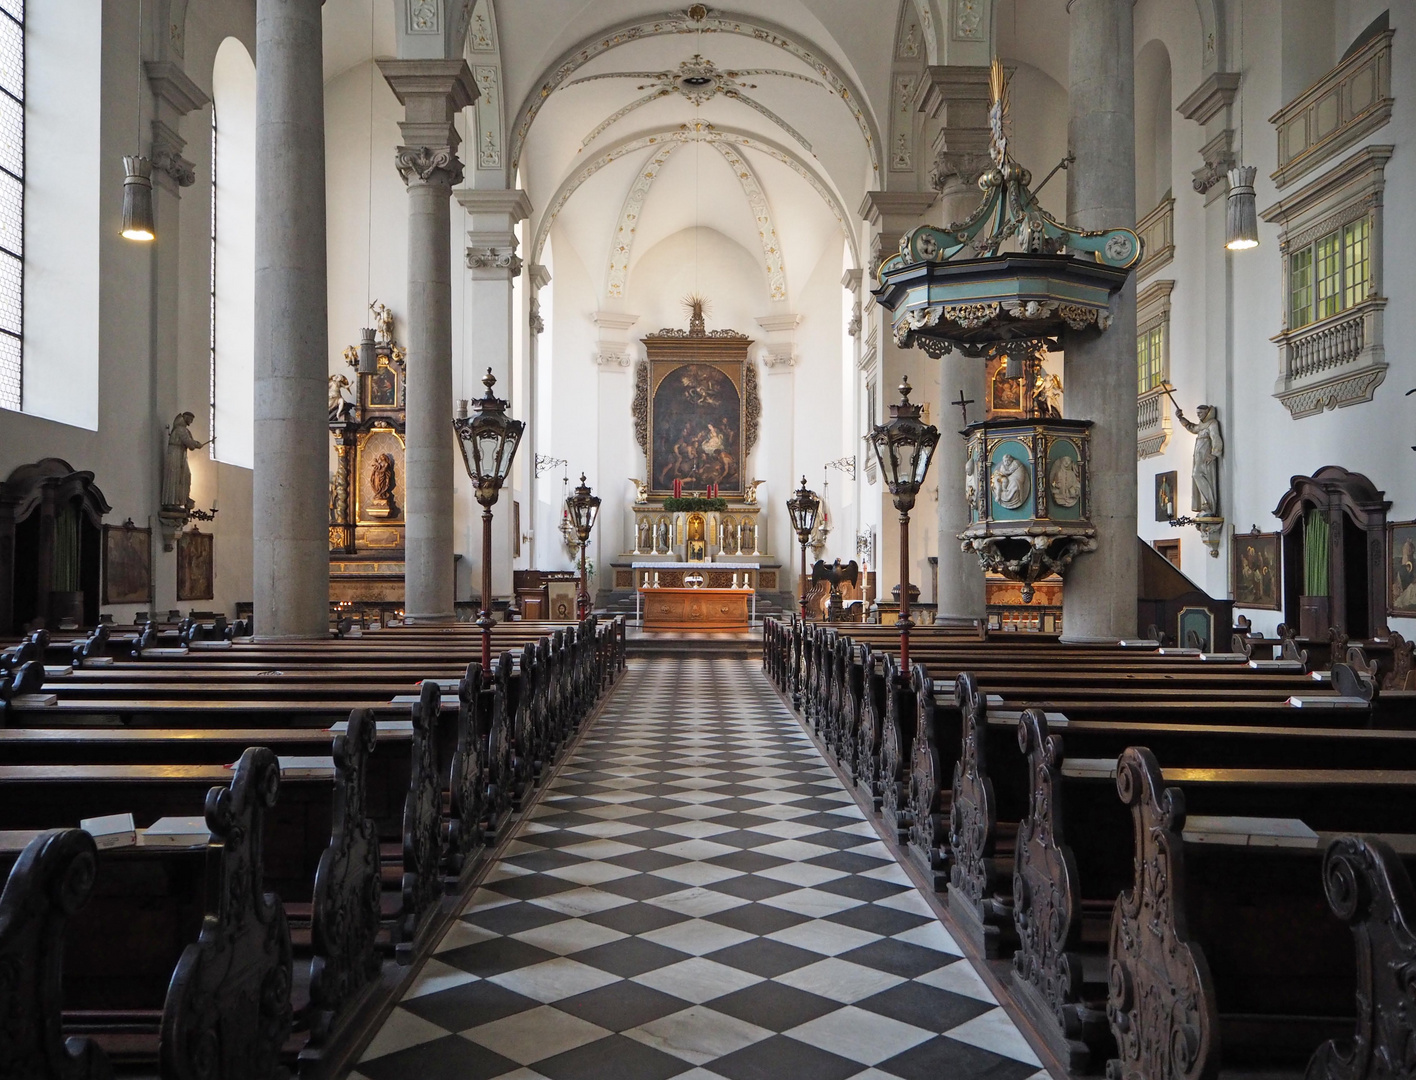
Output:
(430, 164)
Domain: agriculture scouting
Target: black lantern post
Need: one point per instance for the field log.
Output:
(584, 509)
(488, 440)
(904, 448)
(803, 507)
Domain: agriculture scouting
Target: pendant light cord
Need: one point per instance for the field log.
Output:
(139, 146)
(369, 225)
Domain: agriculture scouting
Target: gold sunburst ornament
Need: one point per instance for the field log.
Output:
(998, 113)
(697, 308)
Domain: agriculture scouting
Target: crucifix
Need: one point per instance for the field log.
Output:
(963, 404)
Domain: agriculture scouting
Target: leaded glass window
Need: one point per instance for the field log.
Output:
(12, 200)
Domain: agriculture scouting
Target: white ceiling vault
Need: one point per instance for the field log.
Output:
(629, 121)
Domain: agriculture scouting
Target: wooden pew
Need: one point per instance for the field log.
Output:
(1201, 979)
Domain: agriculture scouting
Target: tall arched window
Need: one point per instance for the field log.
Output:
(233, 254)
(12, 199)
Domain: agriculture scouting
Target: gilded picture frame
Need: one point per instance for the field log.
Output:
(1401, 568)
(1256, 570)
(195, 566)
(127, 564)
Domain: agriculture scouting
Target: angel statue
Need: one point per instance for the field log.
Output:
(641, 491)
(337, 401)
(749, 492)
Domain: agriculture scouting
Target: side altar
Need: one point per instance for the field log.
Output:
(366, 512)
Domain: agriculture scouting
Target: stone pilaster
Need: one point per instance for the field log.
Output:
(492, 263)
(432, 93)
(174, 96)
(891, 214)
(1100, 594)
(290, 500)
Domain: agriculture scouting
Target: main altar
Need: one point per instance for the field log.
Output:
(696, 411)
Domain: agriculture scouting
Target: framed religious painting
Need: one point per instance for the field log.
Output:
(1256, 570)
(1401, 568)
(696, 410)
(127, 564)
(1165, 495)
(195, 566)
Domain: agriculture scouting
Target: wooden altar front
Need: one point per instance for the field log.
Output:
(696, 609)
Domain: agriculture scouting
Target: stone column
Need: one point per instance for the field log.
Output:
(432, 93)
(1100, 594)
(290, 500)
(489, 314)
(957, 97)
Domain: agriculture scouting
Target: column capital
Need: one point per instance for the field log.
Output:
(612, 348)
(173, 87)
(1216, 92)
(428, 164)
(779, 344)
(513, 203)
(170, 169)
(538, 276)
(851, 279)
(432, 93)
(887, 209)
(957, 95)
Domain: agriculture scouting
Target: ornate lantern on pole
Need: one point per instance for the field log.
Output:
(803, 507)
(584, 508)
(488, 440)
(904, 448)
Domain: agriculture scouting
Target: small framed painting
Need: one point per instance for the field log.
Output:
(127, 564)
(1165, 495)
(1401, 568)
(1256, 570)
(195, 569)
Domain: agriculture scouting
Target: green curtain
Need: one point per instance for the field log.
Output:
(66, 549)
(1316, 554)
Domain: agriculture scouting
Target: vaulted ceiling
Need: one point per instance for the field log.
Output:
(634, 123)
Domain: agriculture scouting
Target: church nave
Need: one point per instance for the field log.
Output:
(696, 895)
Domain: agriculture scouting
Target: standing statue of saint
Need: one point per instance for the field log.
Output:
(176, 475)
(1209, 448)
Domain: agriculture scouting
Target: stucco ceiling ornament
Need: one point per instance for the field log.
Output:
(697, 80)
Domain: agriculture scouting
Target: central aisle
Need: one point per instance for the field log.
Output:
(697, 896)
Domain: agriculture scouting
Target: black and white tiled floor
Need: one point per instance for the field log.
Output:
(697, 896)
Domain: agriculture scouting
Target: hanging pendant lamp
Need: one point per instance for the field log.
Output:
(1241, 218)
(137, 199)
(137, 181)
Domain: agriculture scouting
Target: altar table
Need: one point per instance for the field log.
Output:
(696, 609)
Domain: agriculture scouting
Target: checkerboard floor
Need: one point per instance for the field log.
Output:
(697, 896)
